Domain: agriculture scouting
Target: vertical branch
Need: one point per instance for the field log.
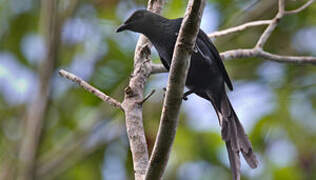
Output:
(134, 95)
(178, 72)
(35, 115)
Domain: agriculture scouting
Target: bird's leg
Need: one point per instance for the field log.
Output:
(186, 94)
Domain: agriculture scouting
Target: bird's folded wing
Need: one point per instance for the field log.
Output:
(203, 40)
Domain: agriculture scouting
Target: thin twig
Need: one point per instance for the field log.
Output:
(287, 59)
(238, 28)
(304, 6)
(255, 52)
(178, 72)
(147, 97)
(90, 88)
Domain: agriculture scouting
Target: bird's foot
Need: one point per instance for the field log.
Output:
(186, 94)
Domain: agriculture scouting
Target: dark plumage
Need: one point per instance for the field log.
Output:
(206, 78)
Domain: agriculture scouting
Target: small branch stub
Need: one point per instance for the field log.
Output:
(147, 97)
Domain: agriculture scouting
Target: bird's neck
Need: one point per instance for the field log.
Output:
(162, 32)
(155, 29)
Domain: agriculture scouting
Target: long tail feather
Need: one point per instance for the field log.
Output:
(246, 147)
(234, 160)
(234, 135)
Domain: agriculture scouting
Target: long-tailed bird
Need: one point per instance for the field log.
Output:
(206, 78)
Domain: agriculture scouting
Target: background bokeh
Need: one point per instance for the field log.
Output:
(86, 137)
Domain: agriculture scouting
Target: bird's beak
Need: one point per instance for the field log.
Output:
(122, 27)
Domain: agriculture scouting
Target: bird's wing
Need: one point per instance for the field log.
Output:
(203, 40)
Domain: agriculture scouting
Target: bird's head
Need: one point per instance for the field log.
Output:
(136, 21)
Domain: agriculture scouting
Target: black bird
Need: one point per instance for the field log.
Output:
(206, 78)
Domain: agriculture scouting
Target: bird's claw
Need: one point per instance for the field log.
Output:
(186, 94)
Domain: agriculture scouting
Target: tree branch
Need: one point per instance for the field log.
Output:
(147, 97)
(178, 72)
(304, 6)
(287, 59)
(238, 53)
(249, 53)
(133, 110)
(238, 28)
(255, 52)
(134, 94)
(91, 89)
(258, 51)
(275, 21)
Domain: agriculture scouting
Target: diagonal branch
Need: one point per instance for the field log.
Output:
(178, 72)
(91, 89)
(275, 21)
(239, 28)
(147, 97)
(304, 6)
